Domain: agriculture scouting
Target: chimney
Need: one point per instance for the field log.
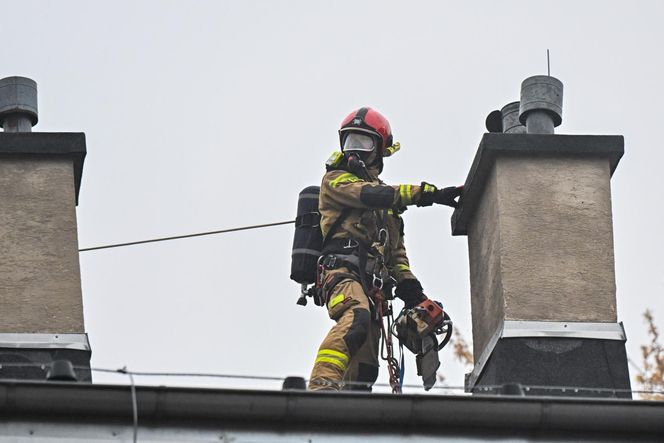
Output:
(537, 213)
(41, 310)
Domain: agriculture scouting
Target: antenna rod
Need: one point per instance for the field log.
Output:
(548, 64)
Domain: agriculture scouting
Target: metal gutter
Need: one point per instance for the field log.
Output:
(280, 411)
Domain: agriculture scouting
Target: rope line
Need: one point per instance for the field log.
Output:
(258, 378)
(178, 237)
(188, 374)
(477, 389)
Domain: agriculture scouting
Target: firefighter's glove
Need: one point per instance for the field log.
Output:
(411, 292)
(428, 195)
(447, 196)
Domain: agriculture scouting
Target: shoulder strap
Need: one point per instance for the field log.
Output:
(335, 226)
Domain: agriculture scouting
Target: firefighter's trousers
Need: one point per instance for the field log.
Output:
(348, 356)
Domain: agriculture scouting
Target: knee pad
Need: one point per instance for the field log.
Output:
(358, 331)
(367, 374)
(366, 377)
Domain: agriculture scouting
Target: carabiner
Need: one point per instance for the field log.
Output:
(383, 236)
(379, 279)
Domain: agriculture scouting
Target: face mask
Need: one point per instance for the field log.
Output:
(359, 142)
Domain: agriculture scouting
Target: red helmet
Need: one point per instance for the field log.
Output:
(369, 121)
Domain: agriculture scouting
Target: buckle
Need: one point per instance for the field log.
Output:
(331, 261)
(352, 244)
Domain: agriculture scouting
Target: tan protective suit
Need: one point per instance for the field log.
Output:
(349, 352)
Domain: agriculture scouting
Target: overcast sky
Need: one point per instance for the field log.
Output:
(205, 115)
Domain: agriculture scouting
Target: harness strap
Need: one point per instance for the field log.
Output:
(363, 253)
(343, 245)
(351, 261)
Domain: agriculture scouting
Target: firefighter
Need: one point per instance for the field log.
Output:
(363, 249)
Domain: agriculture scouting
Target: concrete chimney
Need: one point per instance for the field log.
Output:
(537, 213)
(41, 310)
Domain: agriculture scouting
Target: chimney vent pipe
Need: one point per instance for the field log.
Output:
(294, 384)
(61, 370)
(18, 104)
(506, 120)
(510, 115)
(541, 106)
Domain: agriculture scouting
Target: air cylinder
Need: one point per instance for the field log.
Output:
(308, 238)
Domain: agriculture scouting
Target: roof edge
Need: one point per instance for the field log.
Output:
(293, 410)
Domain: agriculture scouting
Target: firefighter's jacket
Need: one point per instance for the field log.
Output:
(368, 203)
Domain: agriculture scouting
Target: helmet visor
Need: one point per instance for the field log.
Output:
(358, 142)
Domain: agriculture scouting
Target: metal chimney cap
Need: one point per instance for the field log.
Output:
(542, 93)
(510, 116)
(18, 95)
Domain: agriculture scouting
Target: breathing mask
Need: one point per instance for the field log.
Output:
(359, 151)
